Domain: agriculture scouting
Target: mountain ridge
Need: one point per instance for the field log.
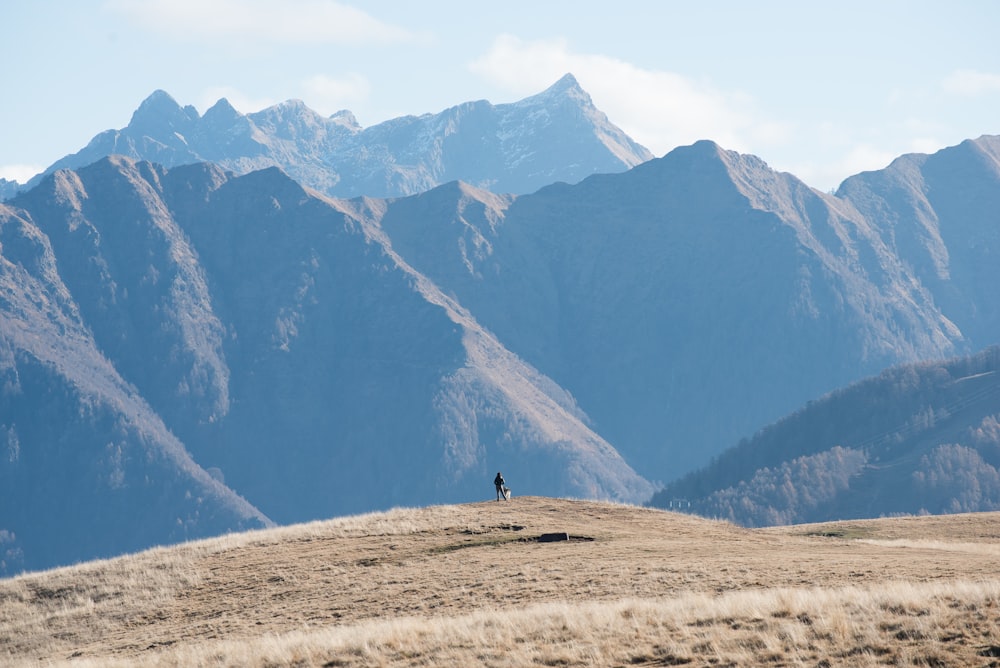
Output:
(565, 264)
(517, 147)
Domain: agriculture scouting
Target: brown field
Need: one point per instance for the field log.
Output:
(470, 585)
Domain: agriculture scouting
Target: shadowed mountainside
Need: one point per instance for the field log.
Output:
(87, 467)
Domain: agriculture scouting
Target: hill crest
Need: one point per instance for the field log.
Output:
(385, 587)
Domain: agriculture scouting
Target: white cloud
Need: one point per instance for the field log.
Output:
(328, 95)
(19, 173)
(842, 155)
(321, 93)
(274, 21)
(242, 102)
(662, 110)
(971, 82)
(925, 145)
(659, 109)
(863, 158)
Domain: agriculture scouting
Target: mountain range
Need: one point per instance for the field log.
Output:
(556, 135)
(196, 342)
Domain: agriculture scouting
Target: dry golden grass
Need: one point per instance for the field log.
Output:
(468, 585)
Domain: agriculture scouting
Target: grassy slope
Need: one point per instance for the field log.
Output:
(466, 585)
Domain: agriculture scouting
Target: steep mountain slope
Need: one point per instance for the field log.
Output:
(915, 439)
(940, 214)
(353, 336)
(289, 348)
(557, 135)
(87, 468)
(138, 284)
(683, 303)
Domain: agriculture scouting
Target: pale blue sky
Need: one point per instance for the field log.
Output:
(821, 89)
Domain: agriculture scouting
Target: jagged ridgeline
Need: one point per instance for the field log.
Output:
(557, 135)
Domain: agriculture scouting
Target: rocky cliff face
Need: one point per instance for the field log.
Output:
(87, 468)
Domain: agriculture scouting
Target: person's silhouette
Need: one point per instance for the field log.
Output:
(499, 482)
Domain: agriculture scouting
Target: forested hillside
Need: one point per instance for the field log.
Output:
(919, 438)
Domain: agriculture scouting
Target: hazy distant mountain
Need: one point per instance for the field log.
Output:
(283, 342)
(940, 214)
(685, 302)
(8, 189)
(915, 439)
(557, 135)
(87, 468)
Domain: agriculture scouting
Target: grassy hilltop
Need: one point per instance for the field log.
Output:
(472, 585)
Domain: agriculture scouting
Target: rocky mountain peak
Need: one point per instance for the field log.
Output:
(346, 118)
(220, 112)
(565, 91)
(289, 111)
(567, 85)
(8, 188)
(557, 135)
(160, 113)
(68, 189)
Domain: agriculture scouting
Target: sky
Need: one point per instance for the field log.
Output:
(823, 90)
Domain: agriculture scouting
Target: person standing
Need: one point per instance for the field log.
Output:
(499, 482)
